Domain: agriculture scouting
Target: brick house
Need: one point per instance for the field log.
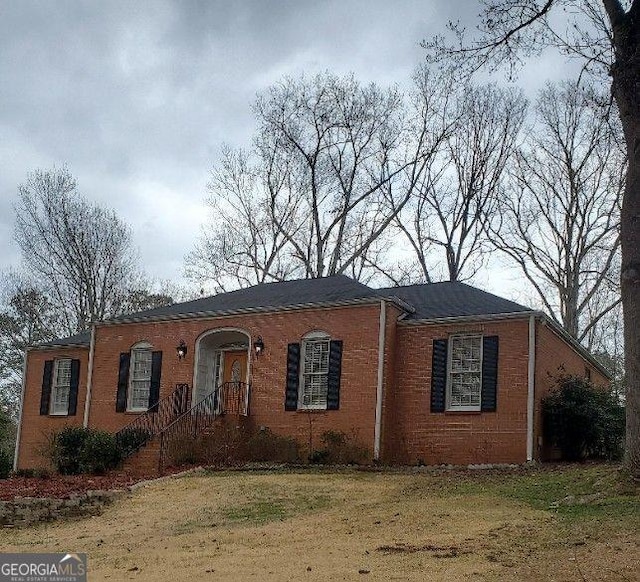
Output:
(436, 373)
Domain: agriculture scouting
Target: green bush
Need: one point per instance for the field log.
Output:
(100, 453)
(129, 440)
(6, 463)
(76, 449)
(583, 421)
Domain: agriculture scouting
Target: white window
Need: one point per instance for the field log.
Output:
(464, 383)
(314, 376)
(139, 378)
(60, 388)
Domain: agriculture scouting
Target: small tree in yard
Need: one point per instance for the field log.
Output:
(583, 420)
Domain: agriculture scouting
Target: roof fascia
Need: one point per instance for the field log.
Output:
(469, 318)
(374, 300)
(57, 347)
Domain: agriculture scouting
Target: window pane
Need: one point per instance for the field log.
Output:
(315, 391)
(315, 373)
(60, 390)
(316, 357)
(140, 379)
(466, 372)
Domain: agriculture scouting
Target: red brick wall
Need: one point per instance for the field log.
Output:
(35, 428)
(414, 434)
(554, 357)
(356, 326)
(410, 432)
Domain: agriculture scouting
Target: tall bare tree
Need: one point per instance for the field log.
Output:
(245, 242)
(446, 221)
(561, 215)
(605, 35)
(78, 254)
(332, 165)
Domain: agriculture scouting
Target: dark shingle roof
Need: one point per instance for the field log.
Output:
(80, 339)
(427, 301)
(451, 299)
(267, 295)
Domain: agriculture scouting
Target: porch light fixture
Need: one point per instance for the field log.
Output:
(258, 345)
(181, 349)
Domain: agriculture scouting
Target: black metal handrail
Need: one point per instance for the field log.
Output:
(144, 427)
(228, 398)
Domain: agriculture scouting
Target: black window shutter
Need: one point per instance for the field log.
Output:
(489, 397)
(293, 377)
(439, 375)
(333, 379)
(47, 379)
(123, 381)
(154, 390)
(73, 387)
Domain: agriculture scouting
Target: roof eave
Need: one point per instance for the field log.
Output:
(470, 318)
(57, 347)
(252, 310)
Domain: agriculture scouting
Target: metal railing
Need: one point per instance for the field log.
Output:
(144, 427)
(175, 438)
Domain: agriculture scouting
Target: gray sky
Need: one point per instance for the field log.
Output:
(138, 97)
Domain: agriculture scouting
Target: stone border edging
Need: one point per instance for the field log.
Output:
(26, 511)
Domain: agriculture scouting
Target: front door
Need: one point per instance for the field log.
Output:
(234, 378)
(235, 366)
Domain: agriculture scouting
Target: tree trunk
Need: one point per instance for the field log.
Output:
(630, 284)
(626, 90)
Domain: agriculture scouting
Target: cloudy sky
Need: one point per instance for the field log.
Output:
(137, 98)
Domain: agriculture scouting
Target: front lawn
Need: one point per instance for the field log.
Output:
(555, 523)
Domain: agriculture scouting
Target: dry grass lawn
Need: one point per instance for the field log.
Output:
(360, 526)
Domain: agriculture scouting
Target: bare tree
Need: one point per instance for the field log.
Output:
(333, 164)
(243, 245)
(561, 216)
(26, 318)
(79, 254)
(447, 218)
(605, 35)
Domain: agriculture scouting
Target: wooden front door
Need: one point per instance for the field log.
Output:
(234, 378)
(235, 366)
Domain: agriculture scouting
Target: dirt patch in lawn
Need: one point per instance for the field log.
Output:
(347, 526)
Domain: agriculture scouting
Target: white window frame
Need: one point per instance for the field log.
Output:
(449, 405)
(56, 386)
(313, 338)
(136, 350)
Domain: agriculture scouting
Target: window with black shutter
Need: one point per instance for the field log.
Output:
(139, 379)
(314, 369)
(465, 373)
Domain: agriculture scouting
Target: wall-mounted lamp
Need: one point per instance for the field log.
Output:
(258, 346)
(181, 349)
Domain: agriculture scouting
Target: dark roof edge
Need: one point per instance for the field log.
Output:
(268, 309)
(81, 346)
(468, 318)
(574, 343)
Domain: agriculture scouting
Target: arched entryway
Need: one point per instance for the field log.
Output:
(223, 364)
